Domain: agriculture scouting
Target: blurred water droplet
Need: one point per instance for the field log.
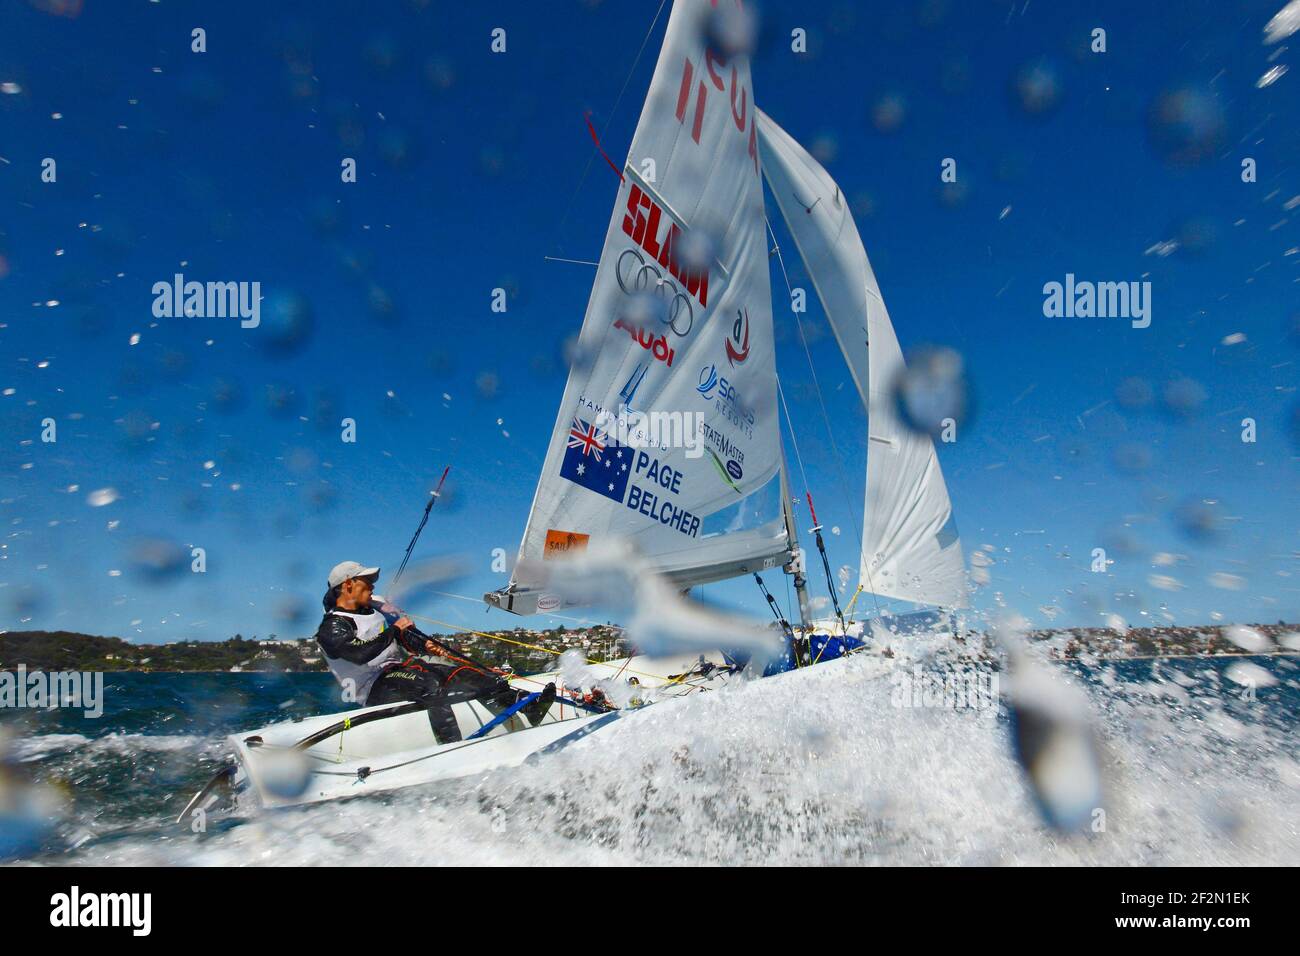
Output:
(1055, 744)
(286, 324)
(382, 305)
(281, 399)
(325, 215)
(27, 601)
(953, 195)
(1200, 519)
(157, 560)
(322, 498)
(1248, 639)
(487, 385)
(1251, 675)
(227, 396)
(1036, 87)
(1227, 582)
(888, 112)
(931, 390)
(1184, 397)
(696, 248)
(576, 356)
(325, 414)
(825, 147)
(397, 148)
(381, 52)
(284, 772)
(137, 428)
(1195, 235)
(732, 30)
(439, 73)
(1132, 458)
(101, 497)
(1134, 393)
(1186, 125)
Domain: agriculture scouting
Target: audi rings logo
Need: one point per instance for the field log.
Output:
(638, 277)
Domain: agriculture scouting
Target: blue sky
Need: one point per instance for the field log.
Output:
(225, 166)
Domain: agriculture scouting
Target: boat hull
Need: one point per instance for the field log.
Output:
(270, 770)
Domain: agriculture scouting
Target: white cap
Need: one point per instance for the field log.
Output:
(351, 569)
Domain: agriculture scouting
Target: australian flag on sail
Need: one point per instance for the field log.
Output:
(596, 462)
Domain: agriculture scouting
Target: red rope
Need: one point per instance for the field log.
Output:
(596, 139)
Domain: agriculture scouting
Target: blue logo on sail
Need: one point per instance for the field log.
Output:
(595, 462)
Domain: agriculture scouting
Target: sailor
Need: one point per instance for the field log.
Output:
(635, 700)
(382, 662)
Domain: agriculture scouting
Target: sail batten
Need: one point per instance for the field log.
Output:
(910, 547)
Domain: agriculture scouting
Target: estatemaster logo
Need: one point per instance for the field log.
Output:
(74, 908)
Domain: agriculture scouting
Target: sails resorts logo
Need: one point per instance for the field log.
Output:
(209, 300)
(1083, 299)
(66, 689)
(970, 688)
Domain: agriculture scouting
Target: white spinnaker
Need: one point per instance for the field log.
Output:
(910, 547)
(691, 182)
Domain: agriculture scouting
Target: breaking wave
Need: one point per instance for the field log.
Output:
(818, 766)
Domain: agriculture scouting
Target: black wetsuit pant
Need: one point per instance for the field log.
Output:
(438, 686)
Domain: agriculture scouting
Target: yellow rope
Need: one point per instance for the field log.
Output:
(848, 610)
(537, 647)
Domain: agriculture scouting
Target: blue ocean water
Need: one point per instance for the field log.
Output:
(128, 773)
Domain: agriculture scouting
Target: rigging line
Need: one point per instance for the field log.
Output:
(559, 232)
(821, 401)
(479, 601)
(668, 682)
(789, 422)
(839, 461)
(576, 262)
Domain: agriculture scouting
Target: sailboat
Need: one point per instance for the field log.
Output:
(668, 438)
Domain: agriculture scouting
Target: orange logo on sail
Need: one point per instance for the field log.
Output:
(559, 543)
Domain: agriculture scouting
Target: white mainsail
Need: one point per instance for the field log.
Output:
(667, 434)
(910, 547)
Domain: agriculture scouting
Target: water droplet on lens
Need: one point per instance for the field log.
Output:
(227, 396)
(1200, 519)
(732, 30)
(931, 390)
(286, 323)
(487, 385)
(157, 560)
(1132, 458)
(1187, 125)
(1134, 393)
(888, 112)
(281, 399)
(1183, 397)
(439, 73)
(1036, 88)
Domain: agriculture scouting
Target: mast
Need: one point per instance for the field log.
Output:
(796, 565)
